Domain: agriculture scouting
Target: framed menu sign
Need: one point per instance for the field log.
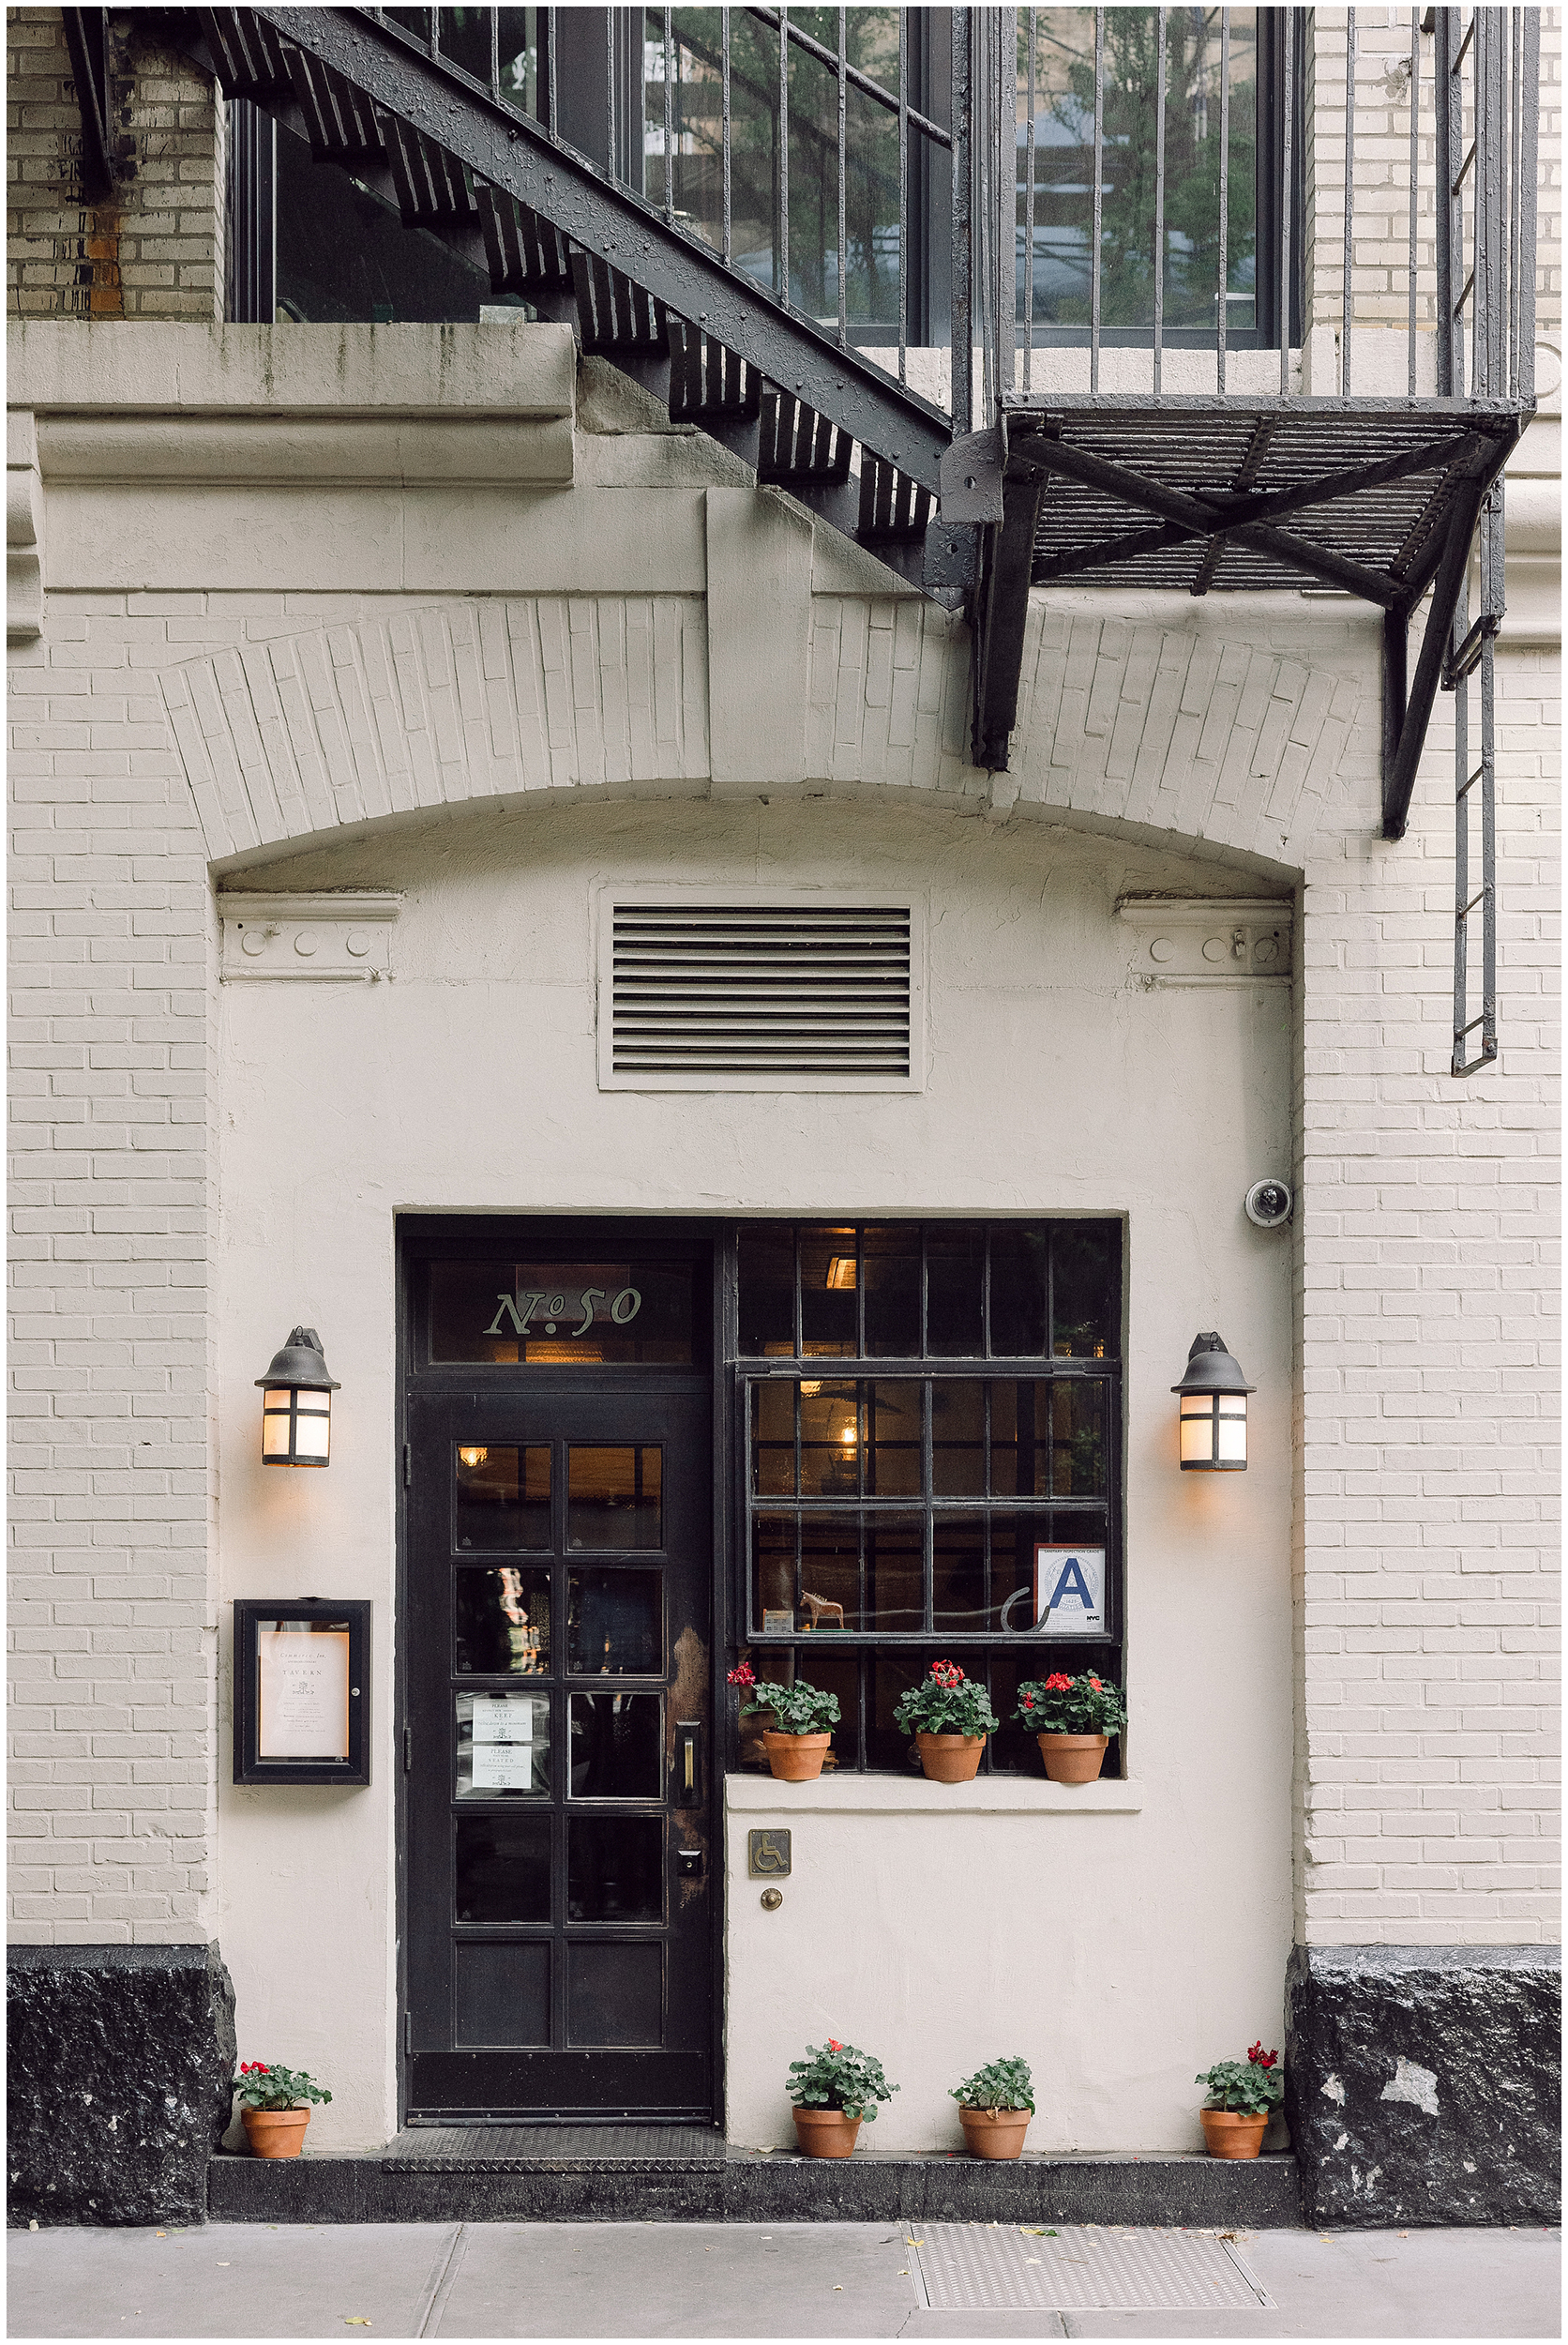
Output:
(302, 1691)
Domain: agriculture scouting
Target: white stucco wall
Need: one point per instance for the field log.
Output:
(466, 1083)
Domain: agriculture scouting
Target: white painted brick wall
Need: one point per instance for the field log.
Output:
(1379, 269)
(1427, 1535)
(154, 249)
(112, 1691)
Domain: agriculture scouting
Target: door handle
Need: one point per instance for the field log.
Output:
(689, 1764)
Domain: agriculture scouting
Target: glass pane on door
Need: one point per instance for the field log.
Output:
(502, 1868)
(615, 1498)
(501, 1620)
(617, 1746)
(615, 1622)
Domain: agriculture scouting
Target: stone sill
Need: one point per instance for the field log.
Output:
(890, 1796)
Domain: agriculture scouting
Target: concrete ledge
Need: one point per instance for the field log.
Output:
(747, 2187)
(890, 1794)
(122, 365)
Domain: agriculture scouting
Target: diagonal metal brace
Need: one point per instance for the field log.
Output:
(1247, 509)
(1203, 520)
(1405, 726)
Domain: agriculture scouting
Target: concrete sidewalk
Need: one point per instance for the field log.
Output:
(698, 2279)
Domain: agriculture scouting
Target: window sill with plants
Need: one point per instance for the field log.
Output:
(949, 1719)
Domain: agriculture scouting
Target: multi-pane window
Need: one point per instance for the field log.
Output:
(931, 1420)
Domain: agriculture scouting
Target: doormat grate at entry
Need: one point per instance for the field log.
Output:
(998, 2267)
(522, 2149)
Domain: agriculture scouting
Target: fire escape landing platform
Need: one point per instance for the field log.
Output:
(1376, 498)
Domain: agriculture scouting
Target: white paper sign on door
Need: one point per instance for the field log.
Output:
(502, 1766)
(503, 1718)
(304, 1691)
(1070, 1590)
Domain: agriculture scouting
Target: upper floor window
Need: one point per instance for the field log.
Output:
(1151, 195)
(813, 149)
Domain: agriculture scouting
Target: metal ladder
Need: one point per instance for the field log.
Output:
(1498, 290)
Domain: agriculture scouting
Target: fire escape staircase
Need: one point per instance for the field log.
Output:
(1378, 498)
(556, 231)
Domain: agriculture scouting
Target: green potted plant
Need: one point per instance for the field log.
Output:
(950, 1715)
(273, 2107)
(799, 1739)
(832, 2089)
(1242, 2096)
(995, 2106)
(1072, 1720)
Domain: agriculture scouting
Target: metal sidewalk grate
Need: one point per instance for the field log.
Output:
(973, 2267)
(522, 2149)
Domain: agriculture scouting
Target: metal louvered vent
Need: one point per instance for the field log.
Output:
(799, 993)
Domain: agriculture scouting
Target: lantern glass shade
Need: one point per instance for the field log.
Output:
(1213, 1428)
(296, 1426)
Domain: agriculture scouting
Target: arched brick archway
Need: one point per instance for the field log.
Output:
(1193, 731)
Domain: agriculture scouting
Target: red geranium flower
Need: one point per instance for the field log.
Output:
(744, 1675)
(948, 1673)
(1095, 1682)
(1057, 1683)
(834, 2045)
(1263, 2059)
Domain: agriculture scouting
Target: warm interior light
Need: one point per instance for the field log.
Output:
(840, 1271)
(471, 1458)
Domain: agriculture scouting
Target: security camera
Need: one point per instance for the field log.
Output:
(1268, 1204)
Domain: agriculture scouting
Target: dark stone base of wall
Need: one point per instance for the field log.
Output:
(1423, 2084)
(744, 2188)
(118, 2084)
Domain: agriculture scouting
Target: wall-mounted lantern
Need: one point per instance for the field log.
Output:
(296, 1403)
(1214, 1395)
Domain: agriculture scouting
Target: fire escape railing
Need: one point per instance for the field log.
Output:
(1100, 443)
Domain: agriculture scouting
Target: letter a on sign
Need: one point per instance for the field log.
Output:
(1070, 1590)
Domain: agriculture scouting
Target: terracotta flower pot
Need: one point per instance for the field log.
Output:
(1072, 1758)
(950, 1758)
(1229, 2134)
(795, 1758)
(825, 2132)
(994, 2132)
(274, 2132)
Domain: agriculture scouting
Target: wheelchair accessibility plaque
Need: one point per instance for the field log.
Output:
(767, 1855)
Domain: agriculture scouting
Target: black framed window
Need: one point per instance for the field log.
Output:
(930, 1418)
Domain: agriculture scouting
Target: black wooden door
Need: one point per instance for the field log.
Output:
(558, 1864)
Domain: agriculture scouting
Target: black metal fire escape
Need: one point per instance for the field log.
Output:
(1375, 496)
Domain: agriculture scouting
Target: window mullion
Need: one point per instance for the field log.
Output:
(928, 1523)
